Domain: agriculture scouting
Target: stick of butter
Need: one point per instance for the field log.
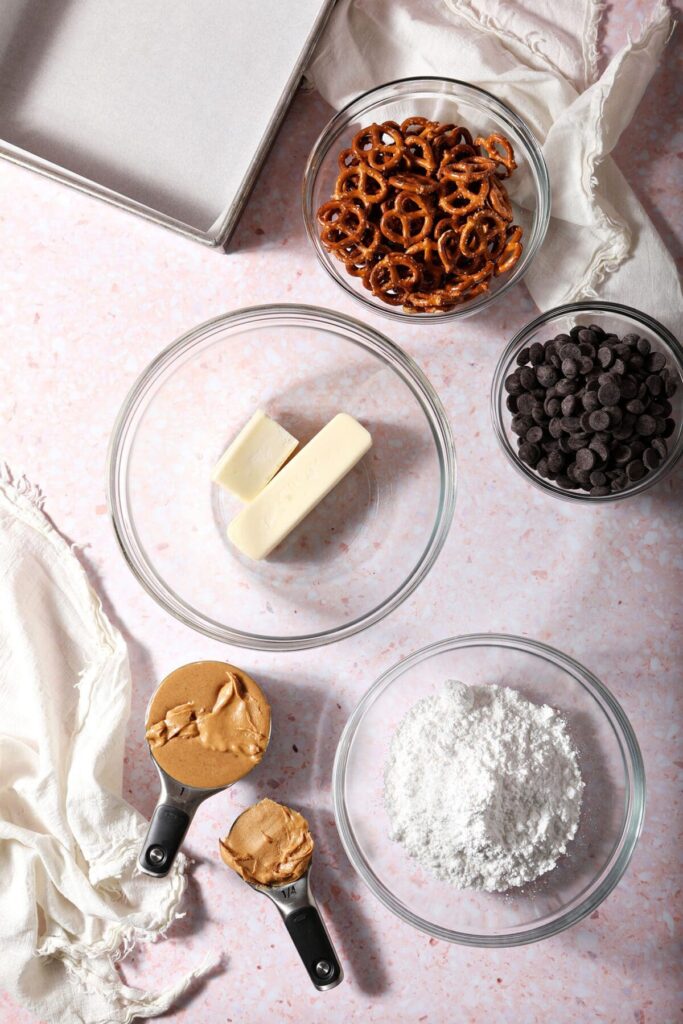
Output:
(254, 457)
(300, 486)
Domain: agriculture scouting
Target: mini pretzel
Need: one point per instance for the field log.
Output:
(343, 223)
(510, 253)
(408, 220)
(417, 125)
(499, 199)
(493, 145)
(449, 137)
(358, 254)
(394, 277)
(426, 254)
(483, 232)
(454, 155)
(347, 158)
(463, 193)
(361, 182)
(420, 154)
(370, 147)
(416, 183)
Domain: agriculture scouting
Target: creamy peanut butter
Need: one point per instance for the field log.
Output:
(269, 844)
(208, 724)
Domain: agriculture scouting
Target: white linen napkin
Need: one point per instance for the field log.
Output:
(71, 898)
(539, 57)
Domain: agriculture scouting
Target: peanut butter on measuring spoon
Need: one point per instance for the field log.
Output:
(270, 846)
(207, 725)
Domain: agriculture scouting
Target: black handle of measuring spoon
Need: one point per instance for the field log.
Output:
(165, 834)
(308, 934)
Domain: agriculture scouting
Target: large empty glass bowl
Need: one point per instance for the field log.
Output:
(611, 815)
(352, 560)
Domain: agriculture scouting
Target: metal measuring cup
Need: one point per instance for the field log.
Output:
(174, 811)
(299, 911)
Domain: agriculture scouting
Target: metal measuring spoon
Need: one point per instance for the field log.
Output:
(174, 811)
(303, 921)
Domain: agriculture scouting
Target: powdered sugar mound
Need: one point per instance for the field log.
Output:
(483, 787)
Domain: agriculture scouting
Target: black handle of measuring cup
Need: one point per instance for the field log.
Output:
(165, 834)
(308, 934)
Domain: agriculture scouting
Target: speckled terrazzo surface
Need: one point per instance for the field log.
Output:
(88, 295)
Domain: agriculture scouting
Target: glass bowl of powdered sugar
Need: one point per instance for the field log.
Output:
(489, 790)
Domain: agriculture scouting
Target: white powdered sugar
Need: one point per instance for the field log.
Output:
(483, 787)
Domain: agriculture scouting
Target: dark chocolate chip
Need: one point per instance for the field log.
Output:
(520, 424)
(570, 350)
(646, 425)
(599, 491)
(513, 384)
(605, 356)
(527, 378)
(656, 361)
(622, 455)
(660, 446)
(585, 459)
(598, 478)
(599, 420)
(546, 375)
(635, 470)
(628, 387)
(534, 434)
(522, 356)
(529, 453)
(654, 384)
(600, 448)
(556, 462)
(536, 354)
(642, 344)
(651, 458)
(525, 403)
(587, 336)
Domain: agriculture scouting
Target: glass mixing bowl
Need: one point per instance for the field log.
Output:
(352, 560)
(444, 100)
(613, 318)
(613, 799)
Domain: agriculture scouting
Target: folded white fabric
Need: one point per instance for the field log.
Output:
(71, 899)
(540, 57)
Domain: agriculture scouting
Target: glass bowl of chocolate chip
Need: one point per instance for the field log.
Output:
(426, 197)
(587, 401)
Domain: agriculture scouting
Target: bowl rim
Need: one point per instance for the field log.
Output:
(355, 332)
(634, 771)
(674, 352)
(322, 146)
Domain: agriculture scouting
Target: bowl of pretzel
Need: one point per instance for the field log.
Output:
(426, 197)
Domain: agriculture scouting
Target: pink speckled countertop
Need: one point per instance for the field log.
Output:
(88, 295)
